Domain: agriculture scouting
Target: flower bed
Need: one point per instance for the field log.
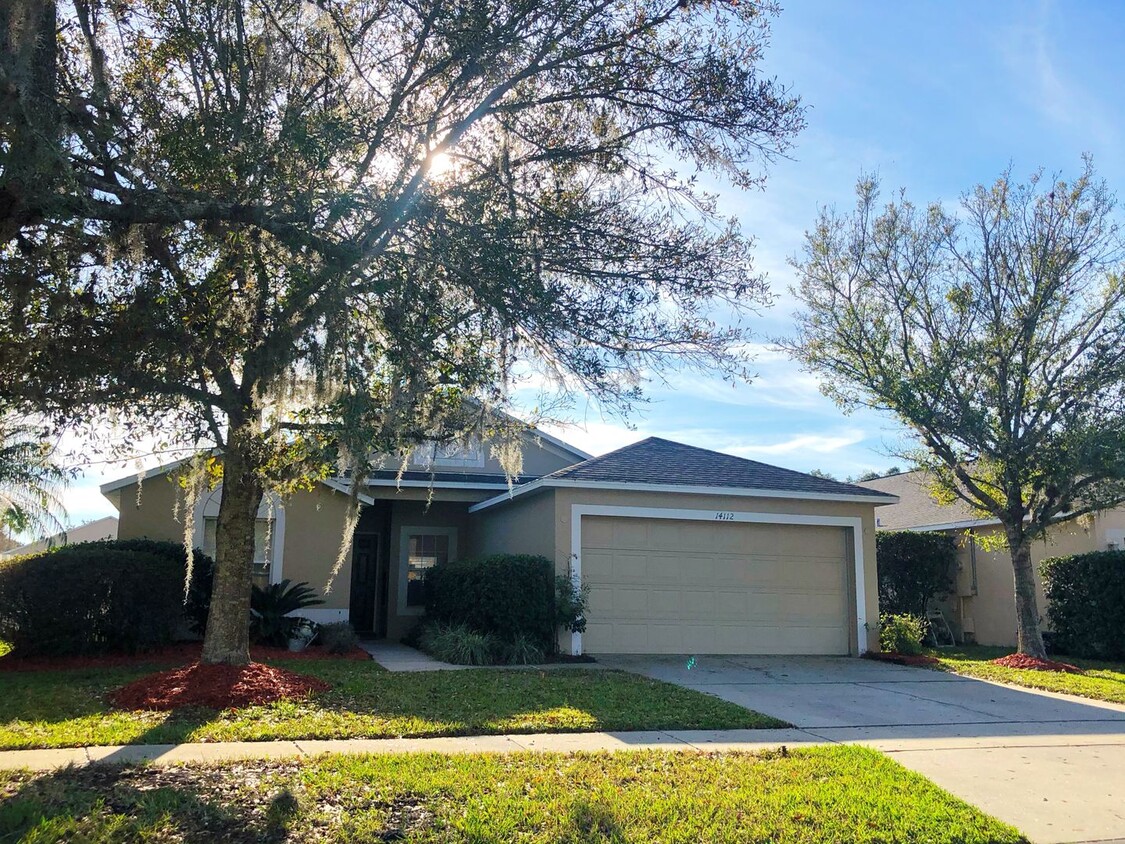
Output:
(1032, 663)
(216, 687)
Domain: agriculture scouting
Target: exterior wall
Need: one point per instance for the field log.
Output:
(525, 526)
(152, 516)
(708, 505)
(988, 615)
(444, 514)
(314, 527)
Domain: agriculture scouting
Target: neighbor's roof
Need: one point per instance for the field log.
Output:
(916, 507)
(659, 465)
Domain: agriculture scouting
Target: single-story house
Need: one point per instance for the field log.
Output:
(103, 528)
(684, 550)
(982, 608)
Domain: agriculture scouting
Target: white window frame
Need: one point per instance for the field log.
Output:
(577, 511)
(429, 454)
(207, 507)
(407, 533)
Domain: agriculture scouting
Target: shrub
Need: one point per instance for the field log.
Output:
(460, 644)
(89, 598)
(271, 608)
(901, 634)
(913, 568)
(571, 602)
(339, 637)
(523, 650)
(505, 595)
(198, 602)
(1086, 603)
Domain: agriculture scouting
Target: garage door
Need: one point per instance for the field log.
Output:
(685, 587)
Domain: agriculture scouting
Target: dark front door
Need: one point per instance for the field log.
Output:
(365, 570)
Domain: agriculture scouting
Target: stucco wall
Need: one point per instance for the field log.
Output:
(400, 618)
(989, 615)
(525, 533)
(154, 517)
(314, 526)
(524, 526)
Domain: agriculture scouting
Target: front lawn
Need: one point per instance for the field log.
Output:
(814, 795)
(1102, 680)
(69, 708)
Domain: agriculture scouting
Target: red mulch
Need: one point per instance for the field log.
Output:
(215, 686)
(1035, 664)
(178, 654)
(903, 659)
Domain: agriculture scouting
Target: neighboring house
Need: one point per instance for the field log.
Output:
(982, 608)
(105, 528)
(684, 550)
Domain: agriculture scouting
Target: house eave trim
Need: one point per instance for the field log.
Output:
(745, 492)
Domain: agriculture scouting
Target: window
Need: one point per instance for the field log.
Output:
(263, 543)
(453, 454)
(423, 548)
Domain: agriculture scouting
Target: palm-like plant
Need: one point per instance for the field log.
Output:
(30, 481)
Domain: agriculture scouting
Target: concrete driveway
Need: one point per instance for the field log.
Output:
(1051, 765)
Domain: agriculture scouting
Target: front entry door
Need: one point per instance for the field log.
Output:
(365, 569)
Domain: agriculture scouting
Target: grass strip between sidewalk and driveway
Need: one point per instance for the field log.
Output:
(811, 795)
(1102, 680)
(69, 708)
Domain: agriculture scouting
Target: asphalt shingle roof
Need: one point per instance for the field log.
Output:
(659, 461)
(916, 506)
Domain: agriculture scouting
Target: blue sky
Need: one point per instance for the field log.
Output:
(933, 97)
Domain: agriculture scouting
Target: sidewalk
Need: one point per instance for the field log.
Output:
(901, 741)
(168, 754)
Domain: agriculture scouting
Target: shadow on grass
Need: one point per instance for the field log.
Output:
(115, 802)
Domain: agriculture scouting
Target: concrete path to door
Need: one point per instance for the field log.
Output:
(1051, 765)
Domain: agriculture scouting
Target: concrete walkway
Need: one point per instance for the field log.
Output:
(1051, 765)
(168, 754)
(395, 656)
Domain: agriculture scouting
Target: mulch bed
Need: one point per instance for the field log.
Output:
(178, 654)
(1032, 663)
(215, 687)
(917, 660)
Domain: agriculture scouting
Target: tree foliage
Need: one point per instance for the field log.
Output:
(305, 232)
(30, 480)
(995, 333)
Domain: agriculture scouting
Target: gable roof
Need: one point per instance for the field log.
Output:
(437, 478)
(916, 507)
(660, 465)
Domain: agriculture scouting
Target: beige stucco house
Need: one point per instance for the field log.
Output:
(983, 606)
(685, 550)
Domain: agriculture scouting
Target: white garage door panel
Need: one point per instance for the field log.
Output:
(662, 586)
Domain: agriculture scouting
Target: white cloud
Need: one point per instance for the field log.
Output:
(803, 443)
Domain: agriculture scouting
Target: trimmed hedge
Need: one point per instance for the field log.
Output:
(913, 567)
(1086, 603)
(90, 601)
(202, 571)
(505, 595)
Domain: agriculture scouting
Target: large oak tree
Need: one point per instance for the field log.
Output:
(996, 334)
(306, 232)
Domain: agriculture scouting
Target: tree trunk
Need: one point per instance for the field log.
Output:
(227, 639)
(1029, 638)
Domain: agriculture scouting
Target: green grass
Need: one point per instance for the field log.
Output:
(69, 708)
(816, 795)
(1102, 680)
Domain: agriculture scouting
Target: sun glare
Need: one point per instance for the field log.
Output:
(440, 164)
